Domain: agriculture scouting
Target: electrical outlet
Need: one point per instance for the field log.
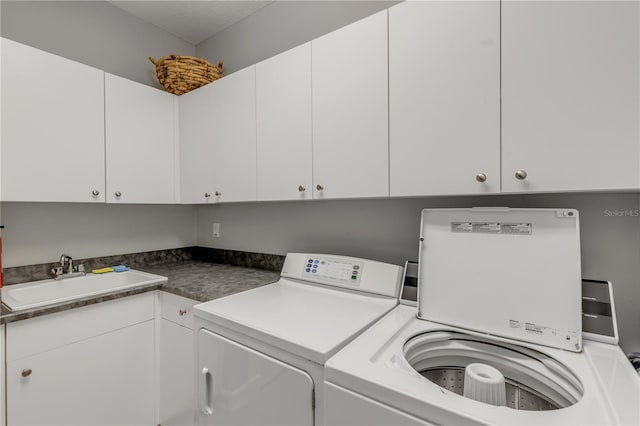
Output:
(216, 230)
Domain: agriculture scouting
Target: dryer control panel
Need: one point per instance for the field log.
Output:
(346, 272)
(338, 270)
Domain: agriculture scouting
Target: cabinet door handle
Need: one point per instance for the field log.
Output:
(182, 312)
(205, 403)
(95, 192)
(521, 175)
(320, 187)
(207, 195)
(218, 193)
(118, 194)
(481, 177)
(302, 188)
(26, 372)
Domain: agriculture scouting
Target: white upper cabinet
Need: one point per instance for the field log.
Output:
(350, 111)
(234, 121)
(218, 140)
(570, 93)
(52, 127)
(444, 97)
(283, 112)
(140, 142)
(197, 137)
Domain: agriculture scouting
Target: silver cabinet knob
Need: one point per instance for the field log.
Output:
(521, 175)
(95, 192)
(182, 312)
(26, 372)
(207, 195)
(118, 194)
(302, 188)
(218, 193)
(481, 177)
(320, 187)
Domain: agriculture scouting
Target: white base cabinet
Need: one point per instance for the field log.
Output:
(176, 355)
(104, 364)
(177, 401)
(91, 365)
(104, 380)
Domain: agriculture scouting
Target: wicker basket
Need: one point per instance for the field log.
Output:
(182, 74)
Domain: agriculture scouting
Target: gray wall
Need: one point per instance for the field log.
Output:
(388, 230)
(281, 26)
(94, 33)
(40, 232)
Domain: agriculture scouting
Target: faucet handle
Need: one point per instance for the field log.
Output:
(57, 271)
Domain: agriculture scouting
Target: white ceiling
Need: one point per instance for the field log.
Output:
(192, 21)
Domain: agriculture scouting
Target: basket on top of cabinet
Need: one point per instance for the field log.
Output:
(182, 74)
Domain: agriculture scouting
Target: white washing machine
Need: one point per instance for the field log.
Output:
(261, 353)
(495, 339)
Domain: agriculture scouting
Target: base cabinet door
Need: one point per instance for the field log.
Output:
(177, 389)
(102, 380)
(237, 385)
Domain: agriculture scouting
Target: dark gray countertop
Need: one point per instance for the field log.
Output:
(203, 281)
(197, 280)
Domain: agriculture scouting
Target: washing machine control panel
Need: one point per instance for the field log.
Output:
(334, 270)
(352, 273)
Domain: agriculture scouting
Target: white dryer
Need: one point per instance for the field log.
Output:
(261, 353)
(499, 288)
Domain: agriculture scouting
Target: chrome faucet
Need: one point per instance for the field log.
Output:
(66, 268)
(66, 259)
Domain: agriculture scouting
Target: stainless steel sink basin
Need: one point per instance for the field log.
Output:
(20, 297)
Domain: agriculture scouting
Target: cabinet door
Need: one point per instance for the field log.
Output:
(350, 111)
(218, 140)
(140, 142)
(177, 389)
(283, 112)
(52, 127)
(444, 96)
(570, 85)
(103, 380)
(234, 122)
(240, 386)
(197, 138)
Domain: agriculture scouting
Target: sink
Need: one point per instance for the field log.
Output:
(35, 294)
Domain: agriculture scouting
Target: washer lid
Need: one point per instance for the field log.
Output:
(513, 273)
